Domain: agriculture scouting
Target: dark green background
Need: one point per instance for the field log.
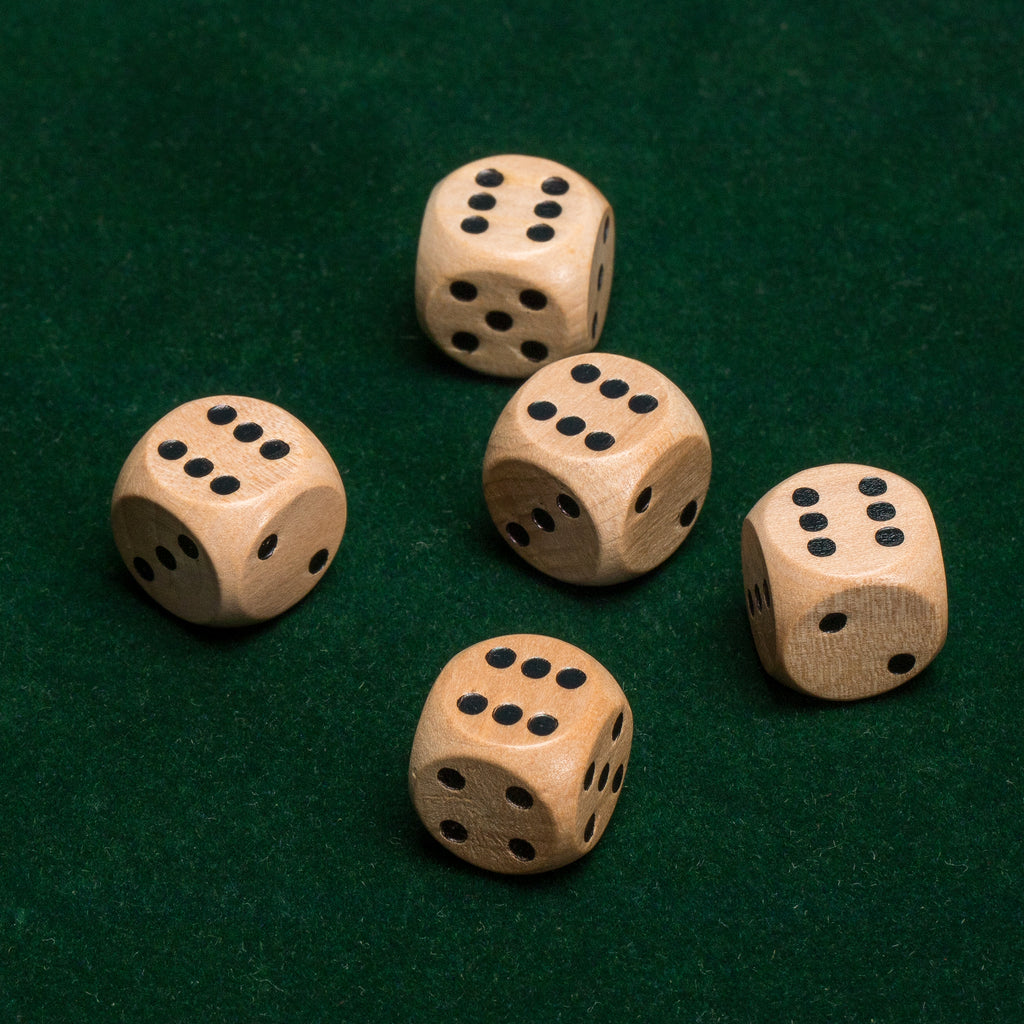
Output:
(820, 216)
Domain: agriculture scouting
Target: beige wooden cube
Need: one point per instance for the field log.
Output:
(597, 469)
(228, 511)
(845, 585)
(520, 754)
(514, 266)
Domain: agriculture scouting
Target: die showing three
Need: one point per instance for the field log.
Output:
(228, 511)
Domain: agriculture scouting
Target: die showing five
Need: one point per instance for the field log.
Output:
(514, 265)
(228, 511)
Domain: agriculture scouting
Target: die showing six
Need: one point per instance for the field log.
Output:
(514, 266)
(228, 511)
(597, 469)
(845, 585)
(520, 754)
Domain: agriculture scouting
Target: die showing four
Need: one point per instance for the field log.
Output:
(228, 511)
(514, 265)
(844, 578)
(520, 754)
(597, 469)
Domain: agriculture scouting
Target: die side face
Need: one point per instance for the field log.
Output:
(850, 586)
(515, 264)
(520, 754)
(622, 466)
(247, 485)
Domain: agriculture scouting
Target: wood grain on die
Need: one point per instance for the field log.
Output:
(597, 469)
(228, 510)
(515, 263)
(845, 583)
(520, 754)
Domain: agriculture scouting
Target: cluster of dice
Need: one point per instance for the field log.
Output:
(229, 510)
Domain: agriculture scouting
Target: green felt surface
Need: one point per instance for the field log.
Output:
(819, 211)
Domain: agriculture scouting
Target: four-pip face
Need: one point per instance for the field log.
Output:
(515, 264)
(520, 753)
(597, 469)
(228, 510)
(845, 584)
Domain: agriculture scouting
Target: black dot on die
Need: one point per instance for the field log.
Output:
(900, 664)
(642, 404)
(172, 450)
(568, 506)
(490, 178)
(890, 537)
(599, 441)
(318, 561)
(643, 501)
(533, 299)
(542, 725)
(585, 373)
(617, 781)
(812, 522)
(821, 547)
(267, 547)
(248, 432)
(188, 546)
(474, 225)
(571, 678)
(554, 186)
(517, 535)
(603, 779)
(167, 560)
(221, 414)
(144, 569)
(617, 727)
(451, 778)
(453, 831)
(482, 201)
(588, 779)
(465, 342)
(571, 426)
(689, 513)
(464, 291)
(498, 321)
(881, 511)
(507, 714)
(872, 486)
(472, 703)
(536, 668)
(548, 209)
(540, 233)
(832, 623)
(500, 657)
(198, 467)
(275, 449)
(541, 410)
(542, 520)
(614, 388)
(535, 351)
(519, 797)
(805, 497)
(225, 484)
(521, 850)
(588, 832)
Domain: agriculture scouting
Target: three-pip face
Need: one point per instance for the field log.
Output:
(845, 585)
(597, 469)
(520, 753)
(228, 510)
(515, 262)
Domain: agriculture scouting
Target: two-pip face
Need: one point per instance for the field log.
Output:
(520, 753)
(844, 578)
(515, 264)
(228, 510)
(597, 469)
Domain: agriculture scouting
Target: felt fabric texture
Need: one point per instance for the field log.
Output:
(819, 212)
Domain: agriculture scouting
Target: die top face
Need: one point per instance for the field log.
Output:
(228, 449)
(513, 207)
(523, 691)
(847, 521)
(598, 407)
